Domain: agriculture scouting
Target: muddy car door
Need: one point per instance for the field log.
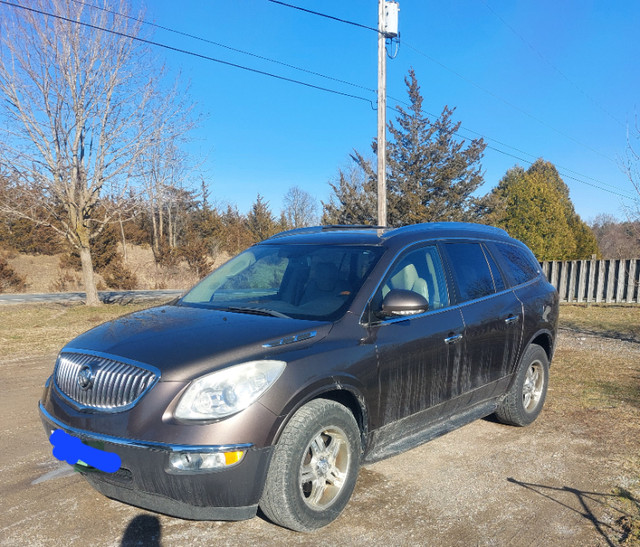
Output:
(493, 318)
(417, 353)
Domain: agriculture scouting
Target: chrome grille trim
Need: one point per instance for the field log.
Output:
(117, 383)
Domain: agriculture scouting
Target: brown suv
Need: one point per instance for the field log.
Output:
(271, 381)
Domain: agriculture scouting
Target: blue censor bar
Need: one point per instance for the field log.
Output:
(72, 450)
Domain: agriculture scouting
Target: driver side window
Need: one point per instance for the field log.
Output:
(419, 271)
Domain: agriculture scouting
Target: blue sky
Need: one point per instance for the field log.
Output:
(557, 80)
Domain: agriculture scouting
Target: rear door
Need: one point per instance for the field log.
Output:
(493, 319)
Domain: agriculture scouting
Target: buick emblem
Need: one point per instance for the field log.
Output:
(85, 377)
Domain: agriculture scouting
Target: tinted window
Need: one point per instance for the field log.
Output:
(419, 271)
(522, 265)
(470, 270)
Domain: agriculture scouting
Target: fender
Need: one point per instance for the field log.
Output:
(331, 384)
(549, 350)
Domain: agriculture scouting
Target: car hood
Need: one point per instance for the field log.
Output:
(185, 342)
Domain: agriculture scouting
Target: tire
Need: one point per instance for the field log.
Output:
(314, 468)
(525, 398)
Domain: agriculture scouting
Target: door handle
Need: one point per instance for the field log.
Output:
(453, 339)
(512, 319)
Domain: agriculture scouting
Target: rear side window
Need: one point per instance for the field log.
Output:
(522, 266)
(470, 270)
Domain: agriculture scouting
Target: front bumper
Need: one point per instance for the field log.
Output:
(146, 479)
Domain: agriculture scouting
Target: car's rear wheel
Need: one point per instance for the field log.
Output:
(525, 399)
(314, 467)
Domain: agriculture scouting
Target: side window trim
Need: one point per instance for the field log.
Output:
(493, 265)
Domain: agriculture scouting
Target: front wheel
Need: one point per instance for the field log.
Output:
(314, 467)
(525, 399)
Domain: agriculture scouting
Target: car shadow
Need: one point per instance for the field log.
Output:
(143, 530)
(613, 532)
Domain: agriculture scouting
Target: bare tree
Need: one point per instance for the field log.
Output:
(630, 164)
(616, 239)
(76, 114)
(300, 208)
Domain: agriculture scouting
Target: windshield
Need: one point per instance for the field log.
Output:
(302, 281)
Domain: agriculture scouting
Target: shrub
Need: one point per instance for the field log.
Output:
(195, 252)
(66, 281)
(165, 255)
(9, 279)
(118, 276)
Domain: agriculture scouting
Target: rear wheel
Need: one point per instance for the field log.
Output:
(314, 467)
(525, 399)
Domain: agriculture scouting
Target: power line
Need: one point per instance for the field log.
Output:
(306, 84)
(536, 157)
(187, 52)
(565, 175)
(554, 67)
(526, 113)
(230, 48)
(325, 16)
(558, 167)
(519, 109)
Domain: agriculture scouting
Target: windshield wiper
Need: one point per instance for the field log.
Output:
(256, 311)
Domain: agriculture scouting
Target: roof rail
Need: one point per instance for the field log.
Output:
(327, 228)
(353, 227)
(461, 226)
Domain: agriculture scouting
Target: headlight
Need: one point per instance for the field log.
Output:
(225, 392)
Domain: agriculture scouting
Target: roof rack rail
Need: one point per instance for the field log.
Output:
(327, 228)
(353, 227)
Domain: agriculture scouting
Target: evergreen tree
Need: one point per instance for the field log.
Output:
(354, 196)
(431, 174)
(534, 206)
(260, 220)
(235, 235)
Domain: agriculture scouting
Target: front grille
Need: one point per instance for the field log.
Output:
(101, 383)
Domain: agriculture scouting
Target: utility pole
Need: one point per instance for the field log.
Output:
(382, 117)
(387, 28)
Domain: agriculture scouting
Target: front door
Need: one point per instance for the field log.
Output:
(417, 354)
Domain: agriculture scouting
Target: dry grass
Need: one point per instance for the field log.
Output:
(38, 329)
(615, 321)
(595, 392)
(43, 273)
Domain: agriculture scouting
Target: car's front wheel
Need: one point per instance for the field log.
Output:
(525, 399)
(314, 467)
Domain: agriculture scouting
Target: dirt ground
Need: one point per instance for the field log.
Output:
(569, 479)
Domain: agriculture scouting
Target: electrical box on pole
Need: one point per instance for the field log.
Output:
(391, 10)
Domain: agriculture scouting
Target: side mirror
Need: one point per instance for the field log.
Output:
(403, 302)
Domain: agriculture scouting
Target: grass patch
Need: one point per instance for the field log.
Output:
(38, 329)
(613, 321)
(595, 389)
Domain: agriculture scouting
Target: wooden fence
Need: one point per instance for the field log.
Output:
(606, 281)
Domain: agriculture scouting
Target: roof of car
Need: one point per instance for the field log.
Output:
(381, 235)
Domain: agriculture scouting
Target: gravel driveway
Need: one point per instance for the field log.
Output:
(552, 483)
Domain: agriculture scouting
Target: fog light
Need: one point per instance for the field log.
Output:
(202, 461)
